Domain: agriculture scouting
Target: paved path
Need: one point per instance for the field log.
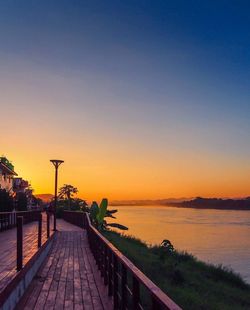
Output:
(8, 249)
(69, 278)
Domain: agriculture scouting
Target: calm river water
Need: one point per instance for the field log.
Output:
(214, 236)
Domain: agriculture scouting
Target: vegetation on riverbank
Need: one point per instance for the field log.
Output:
(190, 283)
(215, 203)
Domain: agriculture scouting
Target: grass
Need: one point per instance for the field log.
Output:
(191, 283)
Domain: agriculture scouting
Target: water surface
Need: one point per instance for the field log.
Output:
(214, 236)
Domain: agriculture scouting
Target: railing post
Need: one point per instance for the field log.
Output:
(39, 242)
(105, 265)
(155, 304)
(15, 219)
(54, 220)
(98, 253)
(48, 224)
(124, 288)
(1, 222)
(102, 259)
(84, 220)
(136, 293)
(115, 284)
(93, 237)
(110, 273)
(19, 243)
(11, 220)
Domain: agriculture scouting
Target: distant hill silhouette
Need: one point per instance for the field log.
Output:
(45, 197)
(196, 203)
(148, 202)
(215, 203)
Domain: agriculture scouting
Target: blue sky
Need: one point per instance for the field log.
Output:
(170, 76)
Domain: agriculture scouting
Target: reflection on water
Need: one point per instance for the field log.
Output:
(218, 237)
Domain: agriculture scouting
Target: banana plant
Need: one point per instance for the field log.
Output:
(93, 211)
(98, 214)
(102, 211)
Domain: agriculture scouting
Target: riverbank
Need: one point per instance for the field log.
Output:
(189, 282)
(197, 203)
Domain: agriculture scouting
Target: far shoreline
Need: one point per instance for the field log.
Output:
(197, 203)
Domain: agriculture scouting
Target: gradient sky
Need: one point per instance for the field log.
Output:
(142, 99)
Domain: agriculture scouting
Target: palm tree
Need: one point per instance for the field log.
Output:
(67, 192)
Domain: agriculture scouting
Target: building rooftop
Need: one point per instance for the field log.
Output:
(6, 166)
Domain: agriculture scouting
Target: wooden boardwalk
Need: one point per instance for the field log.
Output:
(69, 278)
(8, 249)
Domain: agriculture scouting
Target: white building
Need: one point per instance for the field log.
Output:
(7, 174)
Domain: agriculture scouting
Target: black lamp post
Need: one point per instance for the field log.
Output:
(56, 163)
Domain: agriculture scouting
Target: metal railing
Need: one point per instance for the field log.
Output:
(74, 217)
(128, 286)
(19, 236)
(8, 220)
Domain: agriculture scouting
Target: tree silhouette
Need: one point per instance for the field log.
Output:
(67, 192)
(21, 202)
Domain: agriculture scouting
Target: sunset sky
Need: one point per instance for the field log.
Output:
(142, 99)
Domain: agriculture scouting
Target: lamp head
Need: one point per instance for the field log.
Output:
(56, 162)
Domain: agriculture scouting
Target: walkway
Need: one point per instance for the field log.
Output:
(69, 278)
(8, 249)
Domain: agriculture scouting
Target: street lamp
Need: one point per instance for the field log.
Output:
(56, 163)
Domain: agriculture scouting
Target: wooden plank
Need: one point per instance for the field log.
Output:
(69, 279)
(102, 289)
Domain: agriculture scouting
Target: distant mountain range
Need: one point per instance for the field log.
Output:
(195, 203)
(148, 202)
(215, 203)
(142, 202)
(45, 197)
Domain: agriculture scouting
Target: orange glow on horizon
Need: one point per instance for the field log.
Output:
(110, 149)
(138, 179)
